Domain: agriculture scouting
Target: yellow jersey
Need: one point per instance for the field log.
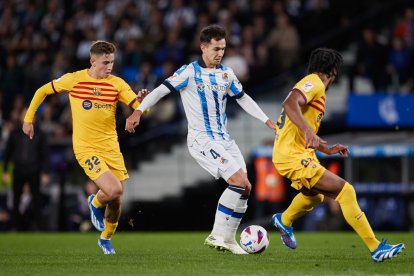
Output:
(93, 103)
(290, 140)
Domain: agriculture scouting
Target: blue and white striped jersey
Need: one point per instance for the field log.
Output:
(204, 93)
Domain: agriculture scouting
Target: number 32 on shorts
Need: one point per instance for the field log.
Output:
(93, 161)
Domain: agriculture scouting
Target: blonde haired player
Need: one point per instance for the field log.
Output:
(294, 157)
(94, 94)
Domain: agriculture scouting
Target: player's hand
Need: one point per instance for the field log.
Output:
(28, 129)
(133, 121)
(312, 140)
(271, 124)
(341, 149)
(142, 94)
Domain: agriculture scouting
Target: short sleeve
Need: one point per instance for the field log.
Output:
(127, 95)
(308, 88)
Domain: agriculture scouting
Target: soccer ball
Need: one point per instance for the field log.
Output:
(254, 239)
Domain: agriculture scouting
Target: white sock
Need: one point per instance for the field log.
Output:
(225, 208)
(234, 221)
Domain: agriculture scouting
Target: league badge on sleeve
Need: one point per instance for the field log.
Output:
(307, 86)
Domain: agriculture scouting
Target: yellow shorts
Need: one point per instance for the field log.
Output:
(303, 171)
(95, 164)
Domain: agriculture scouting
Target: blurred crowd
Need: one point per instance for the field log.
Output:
(40, 40)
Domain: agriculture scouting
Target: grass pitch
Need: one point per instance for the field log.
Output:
(183, 253)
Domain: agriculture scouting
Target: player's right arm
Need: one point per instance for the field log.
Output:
(37, 100)
(293, 108)
(56, 86)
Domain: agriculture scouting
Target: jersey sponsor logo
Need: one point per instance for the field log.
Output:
(307, 86)
(87, 104)
(102, 106)
(97, 91)
(201, 87)
(216, 87)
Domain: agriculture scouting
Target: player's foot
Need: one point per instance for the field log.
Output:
(235, 248)
(286, 232)
(216, 242)
(106, 247)
(386, 251)
(97, 214)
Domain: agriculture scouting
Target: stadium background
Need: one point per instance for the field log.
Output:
(371, 104)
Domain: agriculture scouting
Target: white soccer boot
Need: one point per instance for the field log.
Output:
(234, 247)
(217, 242)
(230, 241)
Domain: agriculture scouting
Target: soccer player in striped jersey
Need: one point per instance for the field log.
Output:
(204, 86)
(94, 94)
(294, 157)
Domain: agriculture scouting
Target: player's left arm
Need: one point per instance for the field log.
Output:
(251, 107)
(128, 96)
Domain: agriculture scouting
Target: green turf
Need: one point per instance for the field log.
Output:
(183, 253)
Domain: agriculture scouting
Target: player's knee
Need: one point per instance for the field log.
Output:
(115, 193)
(240, 179)
(237, 179)
(248, 187)
(244, 182)
(247, 193)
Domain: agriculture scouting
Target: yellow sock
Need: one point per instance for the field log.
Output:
(97, 203)
(109, 230)
(300, 206)
(355, 217)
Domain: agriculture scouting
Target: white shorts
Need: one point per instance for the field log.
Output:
(219, 158)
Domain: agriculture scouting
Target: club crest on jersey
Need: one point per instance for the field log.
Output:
(97, 91)
(200, 87)
(225, 76)
(87, 104)
(307, 86)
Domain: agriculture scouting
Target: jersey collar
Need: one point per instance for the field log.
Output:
(203, 64)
